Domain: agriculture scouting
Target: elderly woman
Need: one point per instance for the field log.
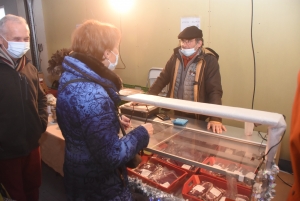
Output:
(95, 157)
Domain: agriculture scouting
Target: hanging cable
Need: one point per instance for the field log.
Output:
(264, 138)
(120, 45)
(284, 181)
(263, 156)
(253, 53)
(272, 147)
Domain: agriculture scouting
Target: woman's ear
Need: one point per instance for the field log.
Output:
(105, 58)
(106, 54)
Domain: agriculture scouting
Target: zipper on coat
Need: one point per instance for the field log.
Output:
(25, 83)
(26, 88)
(22, 100)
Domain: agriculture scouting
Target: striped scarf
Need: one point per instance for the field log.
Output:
(17, 65)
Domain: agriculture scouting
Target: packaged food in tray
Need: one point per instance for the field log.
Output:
(159, 174)
(206, 188)
(245, 172)
(190, 169)
(183, 150)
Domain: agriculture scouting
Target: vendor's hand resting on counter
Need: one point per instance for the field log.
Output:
(216, 127)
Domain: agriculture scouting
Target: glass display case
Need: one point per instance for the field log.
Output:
(215, 154)
(235, 160)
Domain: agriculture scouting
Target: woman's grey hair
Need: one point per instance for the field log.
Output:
(8, 18)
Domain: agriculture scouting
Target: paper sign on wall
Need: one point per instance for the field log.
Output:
(189, 21)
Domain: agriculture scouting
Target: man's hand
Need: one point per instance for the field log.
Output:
(125, 121)
(216, 127)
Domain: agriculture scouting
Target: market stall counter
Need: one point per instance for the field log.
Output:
(52, 145)
(190, 145)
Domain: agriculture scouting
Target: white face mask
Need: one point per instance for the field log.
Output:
(17, 49)
(112, 66)
(188, 52)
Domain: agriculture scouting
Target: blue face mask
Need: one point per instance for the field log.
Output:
(112, 66)
(17, 49)
(188, 52)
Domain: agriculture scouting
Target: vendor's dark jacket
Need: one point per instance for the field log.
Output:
(23, 111)
(209, 90)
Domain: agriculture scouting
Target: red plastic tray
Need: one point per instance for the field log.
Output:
(212, 160)
(196, 179)
(173, 186)
(195, 170)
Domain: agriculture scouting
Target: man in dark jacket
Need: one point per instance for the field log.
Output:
(23, 113)
(193, 74)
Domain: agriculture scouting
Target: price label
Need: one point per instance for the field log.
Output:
(215, 192)
(185, 166)
(198, 188)
(217, 166)
(250, 175)
(145, 173)
(166, 184)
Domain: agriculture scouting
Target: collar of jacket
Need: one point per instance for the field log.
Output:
(98, 68)
(204, 52)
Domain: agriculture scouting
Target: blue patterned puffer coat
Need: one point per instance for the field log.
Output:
(95, 157)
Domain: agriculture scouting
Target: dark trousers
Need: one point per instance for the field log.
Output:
(22, 176)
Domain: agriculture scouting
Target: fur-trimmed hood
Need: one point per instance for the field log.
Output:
(80, 66)
(98, 68)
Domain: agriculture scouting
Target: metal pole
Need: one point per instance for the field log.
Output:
(33, 43)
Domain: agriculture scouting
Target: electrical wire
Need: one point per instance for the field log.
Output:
(253, 53)
(147, 114)
(263, 156)
(284, 181)
(264, 138)
(272, 147)
(260, 147)
(120, 45)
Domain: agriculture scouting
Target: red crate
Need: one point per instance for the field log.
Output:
(173, 186)
(180, 165)
(212, 160)
(145, 158)
(196, 179)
